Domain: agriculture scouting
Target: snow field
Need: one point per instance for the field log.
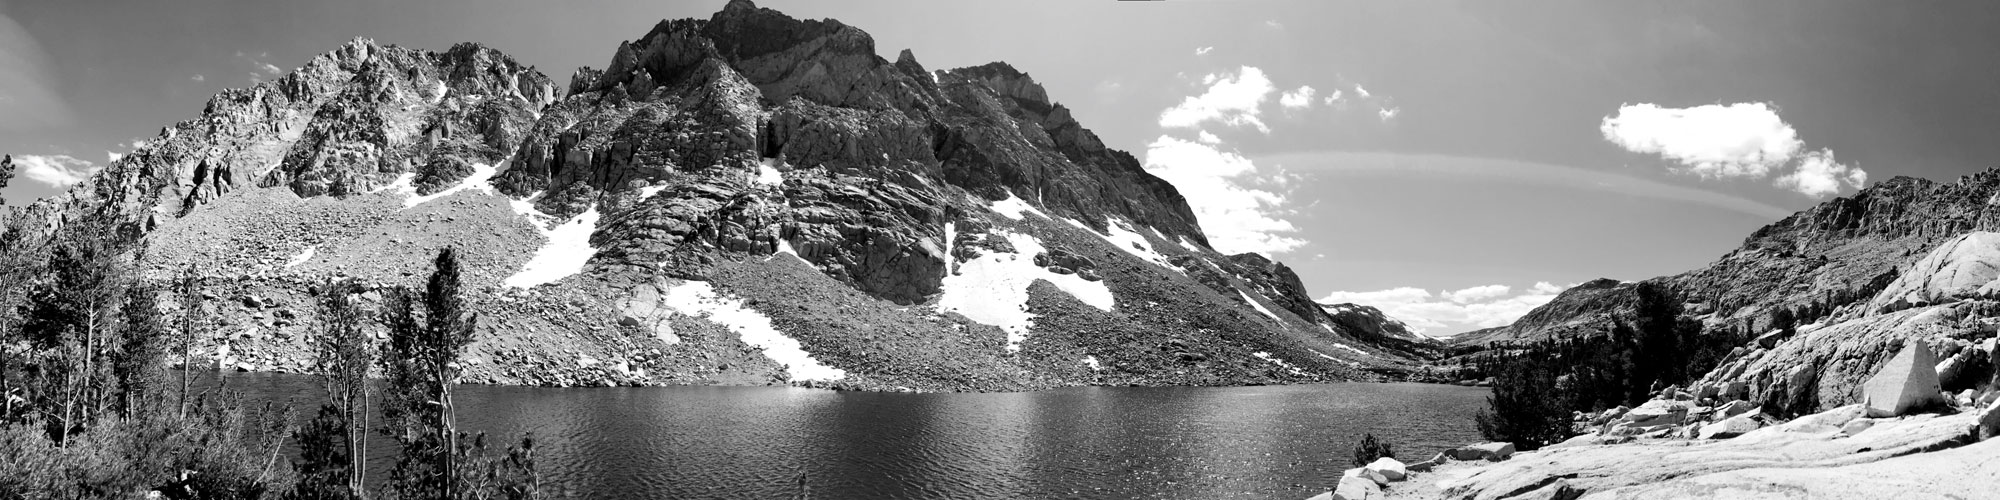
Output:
(699, 298)
(993, 288)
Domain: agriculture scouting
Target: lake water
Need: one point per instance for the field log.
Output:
(777, 442)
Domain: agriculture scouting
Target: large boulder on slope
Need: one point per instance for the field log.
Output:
(1964, 266)
(1907, 382)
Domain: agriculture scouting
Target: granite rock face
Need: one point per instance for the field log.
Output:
(722, 190)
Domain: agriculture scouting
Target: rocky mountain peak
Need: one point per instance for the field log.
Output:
(932, 230)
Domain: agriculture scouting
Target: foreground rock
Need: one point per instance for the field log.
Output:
(1784, 461)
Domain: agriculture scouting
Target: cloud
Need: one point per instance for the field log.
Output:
(1208, 138)
(30, 95)
(54, 170)
(1333, 98)
(1300, 98)
(1231, 99)
(1818, 175)
(1388, 113)
(1712, 141)
(110, 157)
(1274, 24)
(1202, 51)
(1476, 307)
(1363, 92)
(1477, 293)
(260, 70)
(197, 77)
(1742, 140)
(1228, 194)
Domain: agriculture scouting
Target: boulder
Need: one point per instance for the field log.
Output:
(1357, 488)
(1989, 422)
(1388, 468)
(1734, 408)
(1731, 427)
(1366, 473)
(1484, 451)
(1657, 412)
(1907, 382)
(1736, 390)
(1424, 466)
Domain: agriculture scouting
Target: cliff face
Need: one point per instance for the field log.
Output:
(745, 199)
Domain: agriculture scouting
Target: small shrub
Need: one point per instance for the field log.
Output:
(1370, 449)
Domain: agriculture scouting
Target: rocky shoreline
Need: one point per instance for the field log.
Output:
(1907, 437)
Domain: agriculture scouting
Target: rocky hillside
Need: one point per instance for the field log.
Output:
(1906, 260)
(746, 199)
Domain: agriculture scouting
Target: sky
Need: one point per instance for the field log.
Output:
(1454, 163)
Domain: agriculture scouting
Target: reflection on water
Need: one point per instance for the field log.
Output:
(777, 442)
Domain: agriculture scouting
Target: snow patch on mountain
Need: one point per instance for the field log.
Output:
(1091, 361)
(1190, 246)
(650, 191)
(1123, 237)
(768, 174)
(401, 185)
(481, 177)
(785, 248)
(1014, 207)
(1276, 361)
(565, 254)
(1259, 306)
(993, 288)
(699, 298)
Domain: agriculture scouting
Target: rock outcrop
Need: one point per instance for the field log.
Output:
(745, 199)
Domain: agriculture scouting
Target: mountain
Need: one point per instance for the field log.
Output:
(746, 199)
(1906, 260)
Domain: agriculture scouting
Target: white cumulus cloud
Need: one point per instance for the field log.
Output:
(1225, 190)
(1233, 99)
(1387, 114)
(1202, 50)
(1363, 92)
(1208, 138)
(1818, 175)
(1713, 141)
(1466, 309)
(1299, 98)
(1741, 140)
(54, 170)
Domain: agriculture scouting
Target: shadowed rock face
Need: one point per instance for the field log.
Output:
(715, 150)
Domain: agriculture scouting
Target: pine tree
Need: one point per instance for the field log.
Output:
(420, 361)
(71, 312)
(193, 323)
(341, 357)
(136, 364)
